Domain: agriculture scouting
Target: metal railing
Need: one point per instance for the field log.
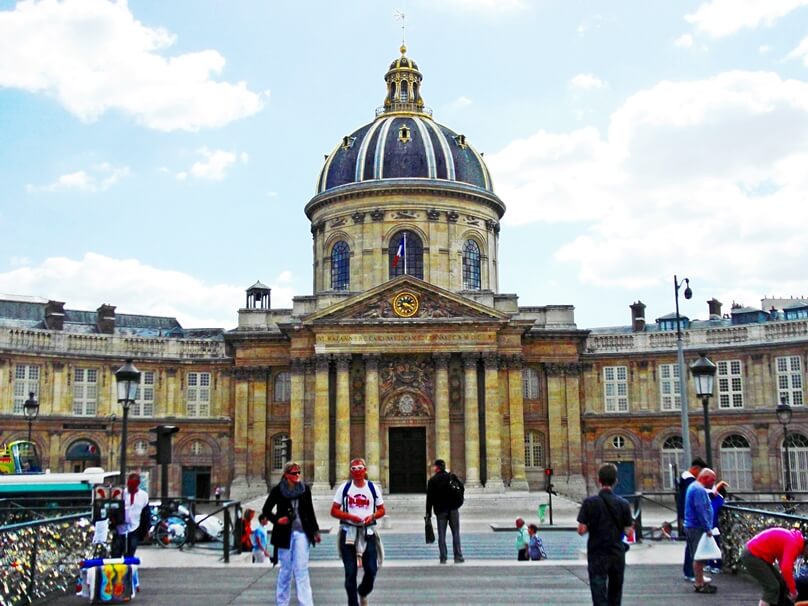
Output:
(41, 557)
(230, 512)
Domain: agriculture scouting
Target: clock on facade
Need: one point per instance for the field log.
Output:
(405, 304)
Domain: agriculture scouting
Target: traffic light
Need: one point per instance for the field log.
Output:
(162, 445)
(286, 449)
(548, 480)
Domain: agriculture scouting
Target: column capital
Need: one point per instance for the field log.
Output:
(441, 360)
(343, 361)
(297, 365)
(470, 359)
(563, 369)
(491, 360)
(321, 361)
(371, 361)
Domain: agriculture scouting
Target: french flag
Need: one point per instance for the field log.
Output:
(399, 252)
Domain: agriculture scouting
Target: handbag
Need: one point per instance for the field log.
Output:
(707, 549)
(429, 532)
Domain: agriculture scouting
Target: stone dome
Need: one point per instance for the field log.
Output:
(403, 142)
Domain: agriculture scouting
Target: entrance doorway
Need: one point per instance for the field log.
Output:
(196, 482)
(407, 459)
(625, 477)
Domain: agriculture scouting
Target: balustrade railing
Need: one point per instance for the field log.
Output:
(44, 341)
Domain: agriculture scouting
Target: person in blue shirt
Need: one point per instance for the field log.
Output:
(259, 541)
(687, 478)
(699, 521)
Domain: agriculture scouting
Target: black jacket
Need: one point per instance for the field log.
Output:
(278, 506)
(437, 494)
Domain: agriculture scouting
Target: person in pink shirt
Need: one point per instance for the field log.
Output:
(775, 544)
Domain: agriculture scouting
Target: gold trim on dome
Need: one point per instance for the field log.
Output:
(406, 304)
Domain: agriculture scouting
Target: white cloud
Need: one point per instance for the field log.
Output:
(586, 81)
(801, 52)
(215, 165)
(763, 49)
(93, 56)
(685, 168)
(86, 283)
(590, 23)
(460, 103)
(99, 178)
(684, 41)
(720, 18)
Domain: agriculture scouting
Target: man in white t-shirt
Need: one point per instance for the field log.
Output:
(125, 541)
(358, 504)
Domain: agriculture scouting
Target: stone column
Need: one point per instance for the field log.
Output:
(241, 485)
(258, 426)
(472, 434)
(343, 426)
(321, 441)
(372, 416)
(517, 424)
(296, 408)
(563, 419)
(493, 424)
(443, 446)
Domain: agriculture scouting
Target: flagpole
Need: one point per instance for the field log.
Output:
(405, 253)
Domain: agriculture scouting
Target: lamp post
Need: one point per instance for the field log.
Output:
(784, 416)
(31, 411)
(703, 371)
(128, 380)
(680, 356)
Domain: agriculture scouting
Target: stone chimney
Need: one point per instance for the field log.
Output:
(715, 308)
(105, 319)
(55, 315)
(638, 316)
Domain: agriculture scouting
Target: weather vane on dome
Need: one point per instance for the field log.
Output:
(400, 16)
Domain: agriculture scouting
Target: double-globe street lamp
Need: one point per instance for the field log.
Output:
(128, 380)
(31, 410)
(680, 357)
(784, 417)
(703, 371)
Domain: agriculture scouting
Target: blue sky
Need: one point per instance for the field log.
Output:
(157, 155)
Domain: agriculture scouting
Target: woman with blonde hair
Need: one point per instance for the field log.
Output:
(294, 530)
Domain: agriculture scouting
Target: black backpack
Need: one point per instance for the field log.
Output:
(456, 492)
(145, 523)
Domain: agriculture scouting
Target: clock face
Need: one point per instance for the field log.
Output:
(405, 304)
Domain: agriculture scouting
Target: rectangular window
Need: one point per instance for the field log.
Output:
(615, 388)
(144, 401)
(26, 380)
(671, 460)
(730, 385)
(669, 387)
(530, 384)
(736, 467)
(789, 380)
(197, 394)
(85, 392)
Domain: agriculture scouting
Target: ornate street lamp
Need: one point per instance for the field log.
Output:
(784, 416)
(703, 371)
(128, 379)
(680, 356)
(31, 411)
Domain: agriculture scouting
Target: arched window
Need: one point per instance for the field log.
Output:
(530, 384)
(403, 91)
(798, 460)
(82, 454)
(406, 255)
(736, 462)
(277, 459)
(673, 461)
(340, 266)
(471, 265)
(283, 387)
(534, 449)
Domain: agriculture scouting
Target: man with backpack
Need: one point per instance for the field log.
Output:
(445, 494)
(358, 504)
(128, 530)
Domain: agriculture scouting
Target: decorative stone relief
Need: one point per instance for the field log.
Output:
(415, 374)
(472, 220)
(405, 405)
(452, 216)
(339, 222)
(432, 214)
(405, 214)
(358, 217)
(377, 215)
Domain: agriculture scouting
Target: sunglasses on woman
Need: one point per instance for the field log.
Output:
(357, 468)
(293, 473)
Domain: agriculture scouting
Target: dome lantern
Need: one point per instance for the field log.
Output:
(403, 87)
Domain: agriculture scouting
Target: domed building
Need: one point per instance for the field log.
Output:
(406, 351)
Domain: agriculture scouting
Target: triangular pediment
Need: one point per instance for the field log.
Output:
(405, 298)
